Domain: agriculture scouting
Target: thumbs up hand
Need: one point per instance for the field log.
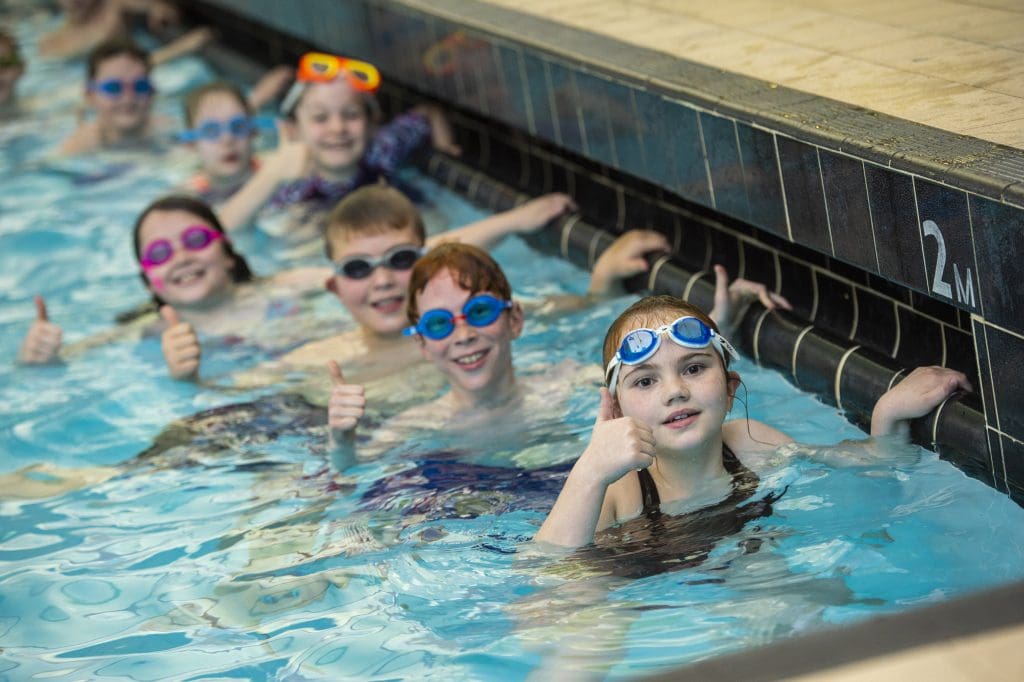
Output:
(617, 444)
(180, 345)
(42, 342)
(345, 409)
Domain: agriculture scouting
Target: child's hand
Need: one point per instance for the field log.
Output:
(618, 444)
(290, 161)
(536, 213)
(270, 85)
(345, 409)
(731, 299)
(180, 346)
(196, 39)
(42, 342)
(623, 259)
(917, 395)
(441, 136)
(160, 16)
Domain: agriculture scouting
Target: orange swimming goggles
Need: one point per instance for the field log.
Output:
(318, 67)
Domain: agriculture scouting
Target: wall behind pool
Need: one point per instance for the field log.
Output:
(898, 240)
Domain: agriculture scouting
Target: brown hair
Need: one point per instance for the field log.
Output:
(652, 312)
(7, 40)
(196, 95)
(115, 48)
(373, 209)
(472, 268)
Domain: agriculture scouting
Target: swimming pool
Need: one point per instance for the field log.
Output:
(250, 562)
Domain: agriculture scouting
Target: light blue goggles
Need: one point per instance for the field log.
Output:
(641, 344)
(211, 129)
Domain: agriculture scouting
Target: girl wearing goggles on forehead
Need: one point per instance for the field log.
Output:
(200, 284)
(661, 433)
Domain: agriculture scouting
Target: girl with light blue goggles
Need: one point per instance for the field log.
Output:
(640, 345)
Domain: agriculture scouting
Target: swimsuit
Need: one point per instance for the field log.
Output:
(657, 543)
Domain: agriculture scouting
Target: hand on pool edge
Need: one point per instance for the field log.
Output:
(919, 393)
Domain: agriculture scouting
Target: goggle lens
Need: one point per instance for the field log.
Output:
(159, 252)
(478, 311)
(360, 267)
(114, 87)
(194, 238)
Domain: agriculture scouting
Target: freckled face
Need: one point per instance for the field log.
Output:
(128, 112)
(226, 157)
(188, 277)
(476, 360)
(331, 119)
(681, 393)
(376, 302)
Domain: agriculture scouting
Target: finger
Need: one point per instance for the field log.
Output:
(781, 301)
(721, 286)
(170, 315)
(185, 353)
(765, 297)
(606, 409)
(41, 313)
(337, 378)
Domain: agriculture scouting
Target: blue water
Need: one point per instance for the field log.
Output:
(242, 558)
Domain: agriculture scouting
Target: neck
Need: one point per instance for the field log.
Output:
(110, 136)
(501, 392)
(210, 308)
(682, 474)
(375, 340)
(338, 174)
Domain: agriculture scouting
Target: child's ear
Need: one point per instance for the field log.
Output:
(516, 319)
(732, 384)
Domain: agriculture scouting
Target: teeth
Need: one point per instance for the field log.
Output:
(470, 359)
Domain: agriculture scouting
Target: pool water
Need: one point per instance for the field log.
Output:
(233, 553)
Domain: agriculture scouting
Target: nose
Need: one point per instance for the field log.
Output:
(464, 332)
(382, 278)
(335, 124)
(677, 390)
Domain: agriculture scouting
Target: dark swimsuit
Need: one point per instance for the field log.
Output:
(657, 543)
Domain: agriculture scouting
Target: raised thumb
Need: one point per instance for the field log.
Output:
(337, 378)
(606, 410)
(170, 315)
(41, 314)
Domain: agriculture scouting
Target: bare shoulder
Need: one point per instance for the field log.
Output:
(750, 435)
(84, 138)
(339, 347)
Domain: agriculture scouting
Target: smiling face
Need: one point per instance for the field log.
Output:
(332, 120)
(228, 157)
(377, 302)
(683, 394)
(188, 277)
(125, 114)
(476, 360)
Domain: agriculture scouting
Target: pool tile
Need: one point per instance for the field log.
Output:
(506, 160)
(946, 231)
(894, 215)
(1006, 356)
(760, 163)
(593, 102)
(849, 218)
(758, 265)
(835, 305)
(725, 250)
(686, 150)
(729, 192)
(639, 212)
(920, 339)
(960, 354)
(563, 99)
(540, 118)
(999, 243)
(797, 285)
(996, 470)
(805, 201)
(656, 135)
(1013, 459)
(507, 96)
(940, 310)
(876, 321)
(598, 200)
(817, 361)
(695, 246)
(624, 125)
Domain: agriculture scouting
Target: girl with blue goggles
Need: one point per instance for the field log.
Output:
(641, 344)
(478, 311)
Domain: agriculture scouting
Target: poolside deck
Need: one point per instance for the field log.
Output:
(956, 65)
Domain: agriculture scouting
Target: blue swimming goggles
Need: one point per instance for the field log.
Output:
(212, 129)
(479, 311)
(113, 87)
(401, 257)
(641, 344)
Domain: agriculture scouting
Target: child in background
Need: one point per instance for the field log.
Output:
(12, 67)
(199, 282)
(663, 417)
(330, 146)
(89, 23)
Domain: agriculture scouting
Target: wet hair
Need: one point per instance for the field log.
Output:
(195, 97)
(372, 209)
(472, 268)
(115, 48)
(240, 271)
(652, 312)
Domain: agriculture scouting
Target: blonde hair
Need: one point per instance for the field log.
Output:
(373, 209)
(652, 312)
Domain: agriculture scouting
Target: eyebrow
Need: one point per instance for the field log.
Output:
(695, 353)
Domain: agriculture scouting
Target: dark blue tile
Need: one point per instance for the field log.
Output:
(948, 245)
(920, 339)
(984, 387)
(385, 29)
(564, 97)
(598, 200)
(593, 95)
(670, 138)
(758, 265)
(725, 250)
(728, 189)
(489, 94)
(849, 218)
(761, 177)
(695, 244)
(876, 321)
(801, 178)
(540, 119)
(999, 245)
(1013, 460)
(505, 160)
(960, 354)
(624, 128)
(835, 310)
(797, 285)
(1006, 356)
(894, 214)
(997, 477)
(507, 96)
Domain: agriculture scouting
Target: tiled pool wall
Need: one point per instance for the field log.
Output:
(896, 243)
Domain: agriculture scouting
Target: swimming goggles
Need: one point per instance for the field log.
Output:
(193, 238)
(115, 88)
(641, 344)
(479, 311)
(319, 67)
(360, 267)
(212, 129)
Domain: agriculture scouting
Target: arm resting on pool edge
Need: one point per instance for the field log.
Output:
(529, 217)
(919, 393)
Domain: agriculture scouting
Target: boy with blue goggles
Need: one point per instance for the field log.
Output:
(641, 344)
(478, 311)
